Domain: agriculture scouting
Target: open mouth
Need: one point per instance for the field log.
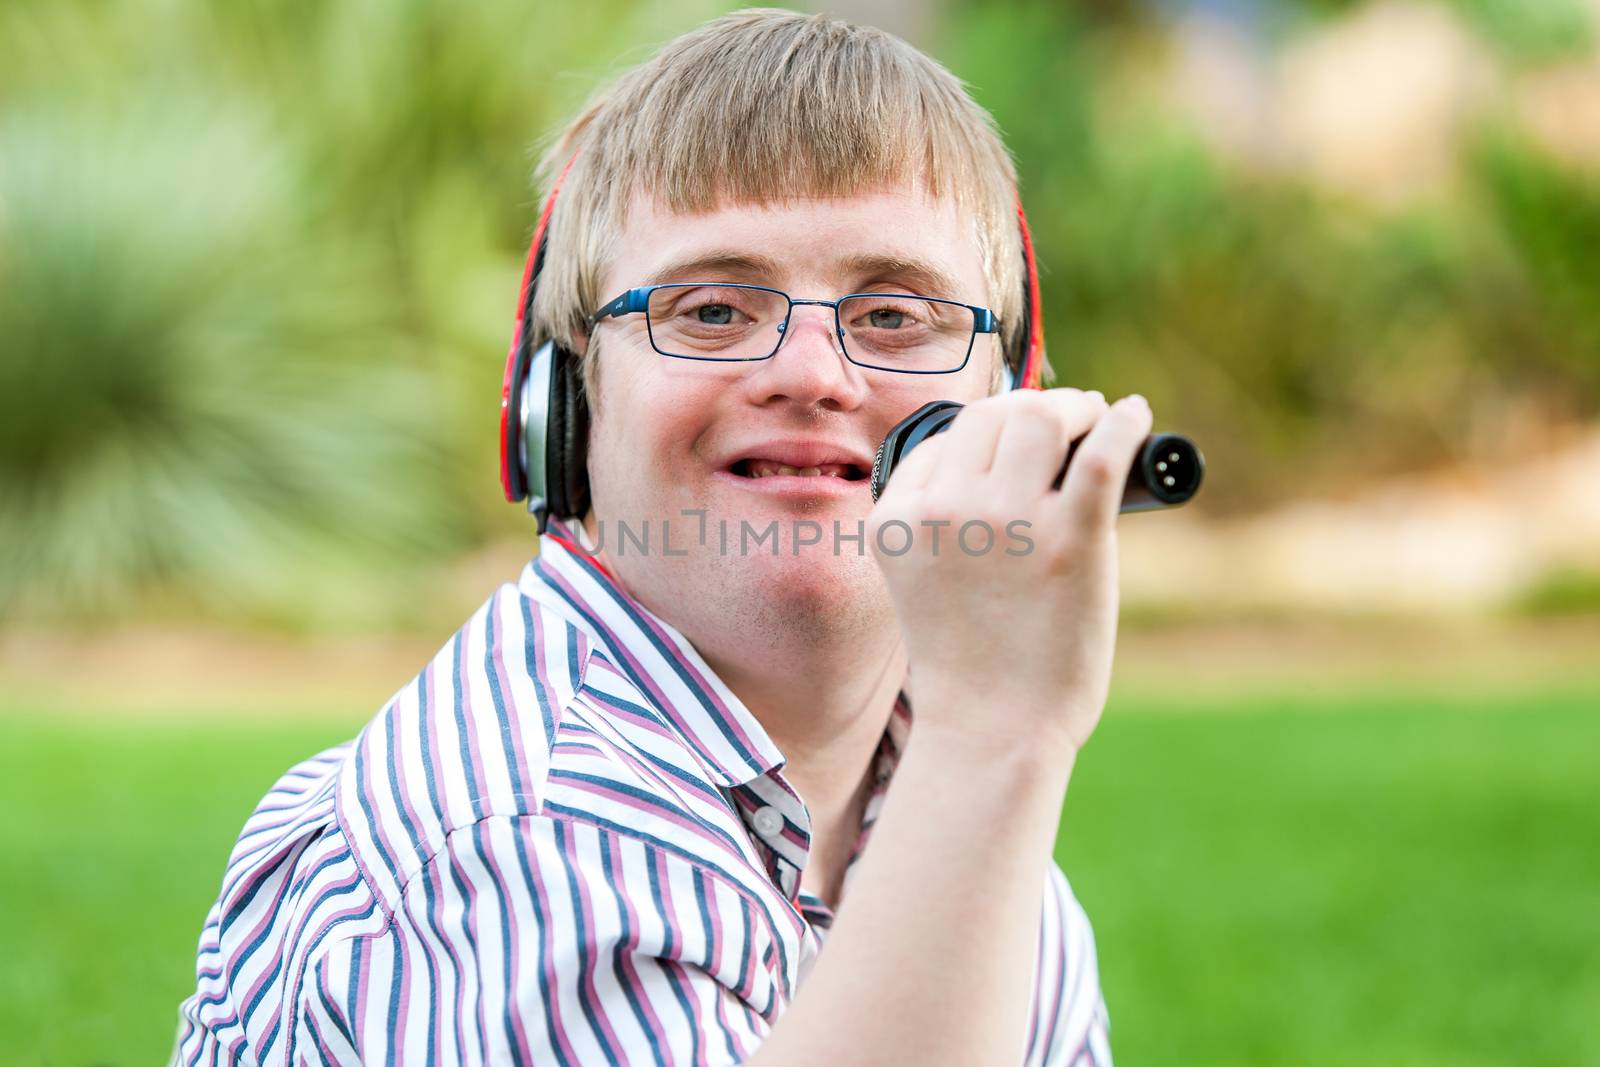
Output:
(767, 468)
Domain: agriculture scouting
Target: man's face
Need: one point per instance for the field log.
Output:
(675, 435)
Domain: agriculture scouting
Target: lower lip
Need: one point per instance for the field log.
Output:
(796, 486)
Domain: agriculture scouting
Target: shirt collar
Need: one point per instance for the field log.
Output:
(895, 735)
(655, 657)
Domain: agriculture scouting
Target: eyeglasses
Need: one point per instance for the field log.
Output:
(728, 322)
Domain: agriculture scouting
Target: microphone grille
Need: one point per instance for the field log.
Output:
(877, 470)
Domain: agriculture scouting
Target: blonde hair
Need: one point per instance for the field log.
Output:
(822, 108)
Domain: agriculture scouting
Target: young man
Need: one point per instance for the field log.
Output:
(662, 801)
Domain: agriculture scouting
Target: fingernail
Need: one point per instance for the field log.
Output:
(1138, 400)
(1097, 394)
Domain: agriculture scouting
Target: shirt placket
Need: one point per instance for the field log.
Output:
(780, 827)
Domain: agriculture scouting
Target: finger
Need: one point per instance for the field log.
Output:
(1091, 496)
(971, 439)
(915, 467)
(1034, 442)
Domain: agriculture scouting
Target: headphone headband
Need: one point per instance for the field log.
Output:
(1031, 373)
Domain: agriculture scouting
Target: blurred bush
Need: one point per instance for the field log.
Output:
(1563, 591)
(257, 268)
(194, 386)
(258, 260)
(1312, 340)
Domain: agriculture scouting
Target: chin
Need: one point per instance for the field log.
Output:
(818, 577)
(760, 598)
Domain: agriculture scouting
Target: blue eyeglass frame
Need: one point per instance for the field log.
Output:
(637, 300)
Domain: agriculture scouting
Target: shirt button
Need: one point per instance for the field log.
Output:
(768, 821)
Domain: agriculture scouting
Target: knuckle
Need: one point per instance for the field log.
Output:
(1039, 421)
(989, 405)
(1031, 400)
(1045, 412)
(940, 507)
(1065, 553)
(1079, 408)
(878, 523)
(1063, 560)
(1096, 468)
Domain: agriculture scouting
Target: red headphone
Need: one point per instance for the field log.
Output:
(544, 419)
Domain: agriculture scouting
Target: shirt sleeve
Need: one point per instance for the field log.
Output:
(532, 939)
(196, 1044)
(1070, 1025)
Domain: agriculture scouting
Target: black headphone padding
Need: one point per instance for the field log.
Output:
(567, 439)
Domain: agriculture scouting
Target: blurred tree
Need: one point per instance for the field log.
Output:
(1311, 343)
(1548, 217)
(192, 385)
(257, 268)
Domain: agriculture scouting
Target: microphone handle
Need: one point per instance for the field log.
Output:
(1166, 472)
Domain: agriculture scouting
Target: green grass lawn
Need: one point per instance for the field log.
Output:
(1369, 878)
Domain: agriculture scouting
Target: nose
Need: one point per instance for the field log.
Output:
(809, 368)
(823, 314)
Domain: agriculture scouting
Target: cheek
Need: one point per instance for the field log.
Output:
(902, 394)
(643, 438)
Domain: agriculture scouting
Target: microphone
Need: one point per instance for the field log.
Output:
(1167, 471)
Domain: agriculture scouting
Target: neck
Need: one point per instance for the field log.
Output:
(826, 710)
(825, 707)
(822, 681)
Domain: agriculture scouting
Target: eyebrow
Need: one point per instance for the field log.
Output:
(726, 262)
(922, 277)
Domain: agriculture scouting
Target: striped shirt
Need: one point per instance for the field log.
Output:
(565, 842)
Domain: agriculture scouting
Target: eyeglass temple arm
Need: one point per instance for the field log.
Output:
(629, 302)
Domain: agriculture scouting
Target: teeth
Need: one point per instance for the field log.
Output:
(766, 469)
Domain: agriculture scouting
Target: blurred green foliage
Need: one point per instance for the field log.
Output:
(258, 260)
(1563, 591)
(193, 385)
(257, 268)
(1311, 341)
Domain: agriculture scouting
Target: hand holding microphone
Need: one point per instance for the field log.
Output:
(1166, 472)
(1014, 649)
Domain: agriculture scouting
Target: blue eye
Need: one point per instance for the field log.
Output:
(714, 314)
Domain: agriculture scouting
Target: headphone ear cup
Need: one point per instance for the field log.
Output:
(576, 447)
(567, 439)
(523, 458)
